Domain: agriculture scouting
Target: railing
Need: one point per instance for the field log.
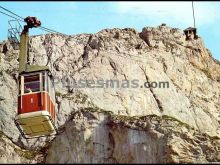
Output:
(14, 32)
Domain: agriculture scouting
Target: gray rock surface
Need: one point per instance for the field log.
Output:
(176, 124)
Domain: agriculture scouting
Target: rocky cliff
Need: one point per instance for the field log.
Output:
(176, 124)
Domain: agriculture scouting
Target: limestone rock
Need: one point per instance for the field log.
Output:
(157, 54)
(11, 153)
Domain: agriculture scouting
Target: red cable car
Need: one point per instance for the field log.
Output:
(36, 99)
(36, 105)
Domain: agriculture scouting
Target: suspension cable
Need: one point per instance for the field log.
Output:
(11, 16)
(193, 15)
(41, 27)
(11, 12)
(50, 30)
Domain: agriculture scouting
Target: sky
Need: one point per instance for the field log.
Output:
(90, 17)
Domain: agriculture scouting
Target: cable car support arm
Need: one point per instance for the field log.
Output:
(23, 55)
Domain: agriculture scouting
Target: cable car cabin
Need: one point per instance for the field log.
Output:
(36, 105)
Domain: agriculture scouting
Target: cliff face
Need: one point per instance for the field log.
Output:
(176, 124)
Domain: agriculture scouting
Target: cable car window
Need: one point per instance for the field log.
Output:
(52, 91)
(19, 85)
(32, 83)
(44, 81)
(31, 78)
